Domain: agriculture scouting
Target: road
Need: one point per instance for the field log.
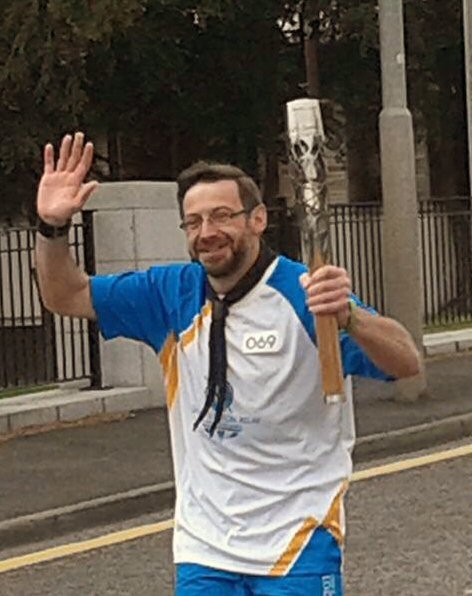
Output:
(410, 534)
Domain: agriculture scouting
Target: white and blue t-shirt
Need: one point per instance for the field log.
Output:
(250, 497)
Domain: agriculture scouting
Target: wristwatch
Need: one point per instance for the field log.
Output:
(49, 231)
(352, 318)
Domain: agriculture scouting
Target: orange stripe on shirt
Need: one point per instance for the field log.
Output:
(294, 548)
(192, 333)
(333, 520)
(168, 355)
(168, 358)
(167, 349)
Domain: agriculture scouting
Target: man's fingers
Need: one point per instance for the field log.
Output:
(48, 159)
(327, 272)
(86, 159)
(340, 295)
(323, 288)
(86, 191)
(332, 308)
(64, 153)
(76, 152)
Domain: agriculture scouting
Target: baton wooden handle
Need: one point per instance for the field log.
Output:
(329, 350)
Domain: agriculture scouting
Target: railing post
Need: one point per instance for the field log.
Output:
(93, 333)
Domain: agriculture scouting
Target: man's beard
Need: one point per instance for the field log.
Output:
(225, 267)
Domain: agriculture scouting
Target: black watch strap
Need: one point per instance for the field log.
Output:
(49, 231)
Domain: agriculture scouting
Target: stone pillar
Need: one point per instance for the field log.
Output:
(401, 246)
(135, 227)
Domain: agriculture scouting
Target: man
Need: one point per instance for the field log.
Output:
(261, 462)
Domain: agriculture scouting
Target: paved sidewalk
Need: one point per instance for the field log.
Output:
(64, 479)
(69, 404)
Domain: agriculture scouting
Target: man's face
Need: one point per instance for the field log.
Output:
(223, 245)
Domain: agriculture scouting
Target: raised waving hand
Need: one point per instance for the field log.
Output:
(62, 190)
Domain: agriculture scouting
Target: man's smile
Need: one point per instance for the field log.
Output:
(213, 250)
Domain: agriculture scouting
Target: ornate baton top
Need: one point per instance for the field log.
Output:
(308, 172)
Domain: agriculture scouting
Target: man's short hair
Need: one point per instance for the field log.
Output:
(203, 171)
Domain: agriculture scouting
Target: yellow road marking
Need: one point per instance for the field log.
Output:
(75, 548)
(414, 462)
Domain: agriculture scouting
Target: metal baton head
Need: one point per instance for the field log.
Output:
(306, 136)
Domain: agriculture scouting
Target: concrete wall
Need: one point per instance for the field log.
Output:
(135, 227)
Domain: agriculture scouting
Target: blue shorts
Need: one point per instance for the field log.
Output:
(317, 572)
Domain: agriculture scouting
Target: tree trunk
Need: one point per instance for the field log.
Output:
(114, 155)
(363, 165)
(310, 27)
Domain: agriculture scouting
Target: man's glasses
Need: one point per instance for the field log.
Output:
(218, 217)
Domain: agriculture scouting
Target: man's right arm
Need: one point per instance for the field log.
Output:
(65, 289)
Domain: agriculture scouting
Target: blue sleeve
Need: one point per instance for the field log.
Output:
(355, 360)
(147, 305)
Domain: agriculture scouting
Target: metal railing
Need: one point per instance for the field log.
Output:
(355, 231)
(37, 347)
(26, 352)
(446, 240)
(445, 231)
(356, 245)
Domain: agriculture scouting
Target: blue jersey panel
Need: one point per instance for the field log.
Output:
(148, 305)
(285, 279)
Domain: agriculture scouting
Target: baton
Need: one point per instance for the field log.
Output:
(308, 173)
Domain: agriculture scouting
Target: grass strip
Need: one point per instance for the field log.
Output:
(16, 391)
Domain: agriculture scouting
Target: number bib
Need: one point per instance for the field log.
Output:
(261, 342)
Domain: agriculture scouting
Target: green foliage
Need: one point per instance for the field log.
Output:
(169, 81)
(206, 82)
(43, 51)
(434, 39)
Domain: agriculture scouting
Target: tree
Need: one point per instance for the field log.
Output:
(339, 39)
(198, 78)
(43, 52)
(437, 89)
(213, 89)
(347, 51)
(162, 82)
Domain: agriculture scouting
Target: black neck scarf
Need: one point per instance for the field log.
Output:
(217, 384)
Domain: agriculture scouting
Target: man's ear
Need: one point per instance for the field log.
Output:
(259, 218)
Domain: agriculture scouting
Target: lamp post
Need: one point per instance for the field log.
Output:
(467, 20)
(401, 248)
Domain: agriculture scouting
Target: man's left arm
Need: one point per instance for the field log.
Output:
(385, 341)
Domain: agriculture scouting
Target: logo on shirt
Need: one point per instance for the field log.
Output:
(230, 425)
(261, 342)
